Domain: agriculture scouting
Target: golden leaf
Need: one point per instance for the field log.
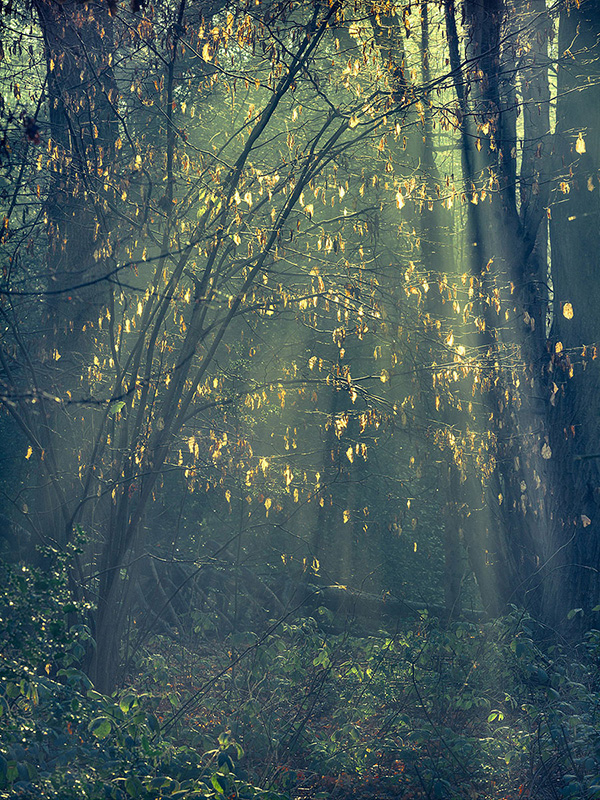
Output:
(289, 475)
(346, 516)
(567, 311)
(29, 452)
(580, 145)
(546, 451)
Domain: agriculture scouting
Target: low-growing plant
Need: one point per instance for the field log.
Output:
(61, 739)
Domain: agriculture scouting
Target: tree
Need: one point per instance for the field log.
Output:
(572, 376)
(163, 277)
(259, 280)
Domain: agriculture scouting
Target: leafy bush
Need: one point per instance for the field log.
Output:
(471, 709)
(61, 739)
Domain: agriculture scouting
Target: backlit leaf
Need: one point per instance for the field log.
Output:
(546, 451)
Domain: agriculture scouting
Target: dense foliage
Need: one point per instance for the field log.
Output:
(476, 709)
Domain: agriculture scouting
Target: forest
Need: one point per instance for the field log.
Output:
(300, 399)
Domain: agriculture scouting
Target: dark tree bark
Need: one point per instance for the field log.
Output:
(82, 105)
(82, 102)
(508, 264)
(571, 575)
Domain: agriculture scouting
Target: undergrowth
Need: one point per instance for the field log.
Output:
(469, 710)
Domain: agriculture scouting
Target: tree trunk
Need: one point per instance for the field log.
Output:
(571, 575)
(509, 274)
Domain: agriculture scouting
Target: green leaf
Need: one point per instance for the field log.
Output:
(100, 727)
(133, 786)
(125, 703)
(153, 723)
(116, 408)
(12, 690)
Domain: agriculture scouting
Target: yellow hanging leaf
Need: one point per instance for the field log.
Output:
(346, 516)
(29, 452)
(546, 451)
(568, 311)
(580, 145)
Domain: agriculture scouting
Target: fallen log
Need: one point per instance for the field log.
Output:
(385, 611)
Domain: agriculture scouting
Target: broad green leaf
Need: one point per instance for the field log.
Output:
(100, 727)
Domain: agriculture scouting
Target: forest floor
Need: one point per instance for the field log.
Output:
(457, 712)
